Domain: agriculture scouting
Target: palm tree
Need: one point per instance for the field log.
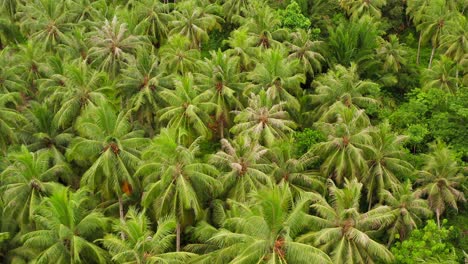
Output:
(408, 208)
(391, 53)
(263, 120)
(442, 76)
(177, 183)
(194, 22)
(41, 134)
(65, 229)
(10, 76)
(234, 8)
(263, 26)
(343, 152)
(295, 171)
(279, 76)
(358, 8)
(112, 46)
(385, 159)
(264, 231)
(72, 91)
(416, 10)
(142, 245)
(244, 167)
(27, 179)
(177, 56)
(141, 81)
(440, 177)
(433, 22)
(343, 231)
(10, 119)
(154, 17)
(241, 47)
(108, 142)
(220, 74)
(187, 110)
(45, 21)
(342, 86)
(455, 38)
(309, 52)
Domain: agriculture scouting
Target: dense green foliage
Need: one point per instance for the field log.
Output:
(233, 131)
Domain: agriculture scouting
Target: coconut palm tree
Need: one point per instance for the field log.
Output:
(187, 110)
(10, 119)
(391, 53)
(234, 8)
(263, 26)
(220, 74)
(358, 8)
(432, 25)
(295, 171)
(343, 152)
(107, 141)
(279, 76)
(343, 231)
(27, 179)
(177, 56)
(155, 18)
(141, 81)
(45, 21)
(241, 47)
(409, 210)
(72, 91)
(308, 52)
(142, 245)
(385, 159)
(194, 22)
(440, 177)
(177, 183)
(263, 120)
(265, 231)
(455, 38)
(342, 86)
(65, 230)
(442, 76)
(112, 45)
(244, 167)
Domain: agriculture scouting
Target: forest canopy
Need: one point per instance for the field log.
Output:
(233, 131)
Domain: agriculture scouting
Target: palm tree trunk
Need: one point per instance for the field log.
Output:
(177, 236)
(419, 49)
(122, 219)
(221, 128)
(438, 217)
(432, 56)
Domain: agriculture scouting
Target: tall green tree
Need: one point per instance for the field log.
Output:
(440, 177)
(392, 53)
(112, 45)
(27, 179)
(343, 231)
(142, 245)
(177, 182)
(194, 22)
(65, 230)
(10, 119)
(279, 77)
(266, 231)
(342, 86)
(177, 56)
(154, 18)
(263, 120)
(343, 151)
(308, 52)
(386, 161)
(220, 74)
(107, 141)
(187, 109)
(409, 210)
(244, 167)
(358, 8)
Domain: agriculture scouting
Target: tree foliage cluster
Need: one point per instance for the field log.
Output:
(233, 131)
